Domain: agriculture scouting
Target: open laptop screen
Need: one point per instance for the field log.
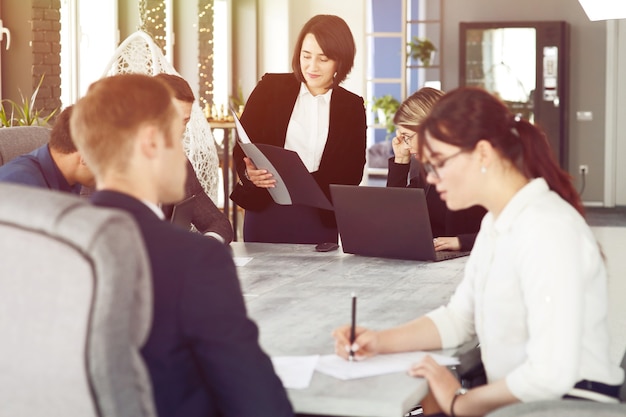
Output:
(386, 222)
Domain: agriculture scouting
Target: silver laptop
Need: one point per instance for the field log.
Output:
(386, 222)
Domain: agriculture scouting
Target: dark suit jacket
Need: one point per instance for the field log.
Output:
(202, 352)
(266, 118)
(206, 216)
(463, 224)
(37, 169)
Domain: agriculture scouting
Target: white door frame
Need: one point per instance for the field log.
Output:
(89, 37)
(615, 137)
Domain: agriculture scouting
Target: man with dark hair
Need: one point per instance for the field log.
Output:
(56, 165)
(203, 352)
(207, 218)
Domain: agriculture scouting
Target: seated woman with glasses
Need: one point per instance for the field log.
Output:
(534, 291)
(453, 230)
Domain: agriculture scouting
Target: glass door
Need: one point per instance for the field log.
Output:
(526, 65)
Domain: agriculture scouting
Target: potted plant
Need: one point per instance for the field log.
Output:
(385, 108)
(237, 102)
(421, 49)
(24, 113)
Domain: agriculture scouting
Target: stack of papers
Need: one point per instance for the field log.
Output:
(296, 371)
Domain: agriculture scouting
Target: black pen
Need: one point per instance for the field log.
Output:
(352, 328)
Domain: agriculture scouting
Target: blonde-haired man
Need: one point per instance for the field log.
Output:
(202, 353)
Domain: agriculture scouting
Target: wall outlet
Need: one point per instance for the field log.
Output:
(583, 169)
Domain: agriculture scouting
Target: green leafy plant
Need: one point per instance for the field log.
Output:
(421, 49)
(386, 108)
(237, 102)
(24, 113)
(6, 119)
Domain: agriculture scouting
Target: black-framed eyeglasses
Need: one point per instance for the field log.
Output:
(431, 168)
(407, 138)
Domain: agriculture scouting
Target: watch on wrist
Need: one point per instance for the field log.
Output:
(459, 392)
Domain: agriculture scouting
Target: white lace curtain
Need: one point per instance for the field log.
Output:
(140, 54)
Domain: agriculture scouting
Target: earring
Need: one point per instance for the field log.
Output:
(483, 170)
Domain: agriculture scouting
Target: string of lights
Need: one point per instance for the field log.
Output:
(205, 51)
(152, 17)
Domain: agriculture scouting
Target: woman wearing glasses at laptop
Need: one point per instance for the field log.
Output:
(453, 230)
(535, 286)
(307, 112)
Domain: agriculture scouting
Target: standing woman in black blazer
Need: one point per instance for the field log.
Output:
(307, 112)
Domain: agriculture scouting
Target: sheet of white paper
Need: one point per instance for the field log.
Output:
(295, 371)
(243, 136)
(241, 260)
(340, 368)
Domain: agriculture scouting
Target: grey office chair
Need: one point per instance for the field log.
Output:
(75, 308)
(15, 141)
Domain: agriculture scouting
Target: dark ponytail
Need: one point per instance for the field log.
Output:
(467, 115)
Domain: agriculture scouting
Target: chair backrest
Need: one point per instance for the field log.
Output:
(75, 308)
(18, 140)
(561, 408)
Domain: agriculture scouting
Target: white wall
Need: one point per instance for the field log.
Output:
(244, 45)
(621, 121)
(273, 36)
(615, 154)
(185, 59)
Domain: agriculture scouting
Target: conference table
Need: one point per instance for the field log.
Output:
(297, 296)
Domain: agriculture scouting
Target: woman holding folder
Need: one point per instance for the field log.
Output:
(307, 112)
(535, 286)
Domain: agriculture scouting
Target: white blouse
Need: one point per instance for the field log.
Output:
(535, 294)
(307, 131)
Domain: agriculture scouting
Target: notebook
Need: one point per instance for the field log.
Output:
(386, 222)
(183, 213)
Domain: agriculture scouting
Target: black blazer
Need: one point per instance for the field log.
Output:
(463, 224)
(266, 118)
(202, 352)
(206, 216)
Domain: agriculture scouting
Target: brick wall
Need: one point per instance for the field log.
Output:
(46, 50)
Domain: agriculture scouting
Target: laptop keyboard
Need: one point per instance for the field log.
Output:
(450, 254)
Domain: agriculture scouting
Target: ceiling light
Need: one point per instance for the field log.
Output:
(604, 9)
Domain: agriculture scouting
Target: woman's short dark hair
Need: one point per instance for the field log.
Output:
(334, 37)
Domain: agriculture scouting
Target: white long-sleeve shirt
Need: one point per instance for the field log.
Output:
(307, 132)
(535, 294)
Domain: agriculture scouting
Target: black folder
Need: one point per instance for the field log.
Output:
(294, 183)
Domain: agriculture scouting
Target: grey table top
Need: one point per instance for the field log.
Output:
(298, 296)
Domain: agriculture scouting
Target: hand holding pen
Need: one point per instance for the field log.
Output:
(352, 341)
